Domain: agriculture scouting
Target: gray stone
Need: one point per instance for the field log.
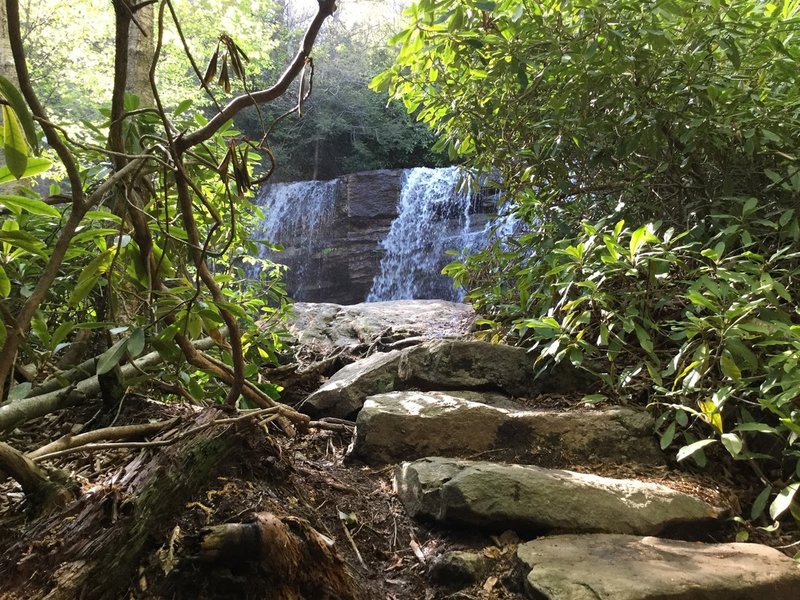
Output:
(623, 567)
(508, 496)
(408, 425)
(343, 394)
(327, 326)
(444, 364)
(373, 194)
(458, 568)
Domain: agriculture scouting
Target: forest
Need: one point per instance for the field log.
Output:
(162, 408)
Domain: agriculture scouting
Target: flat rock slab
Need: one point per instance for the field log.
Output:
(624, 567)
(327, 326)
(501, 496)
(444, 364)
(408, 425)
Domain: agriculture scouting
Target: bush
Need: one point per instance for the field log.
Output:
(651, 149)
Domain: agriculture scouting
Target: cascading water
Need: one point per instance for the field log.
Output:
(296, 215)
(433, 217)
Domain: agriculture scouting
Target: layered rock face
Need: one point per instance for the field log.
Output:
(331, 236)
(332, 233)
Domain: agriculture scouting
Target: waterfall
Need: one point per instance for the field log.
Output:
(296, 217)
(433, 217)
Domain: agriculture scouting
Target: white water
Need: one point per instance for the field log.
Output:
(295, 211)
(296, 214)
(433, 217)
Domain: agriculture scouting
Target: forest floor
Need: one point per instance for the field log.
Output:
(309, 477)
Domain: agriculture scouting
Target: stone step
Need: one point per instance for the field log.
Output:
(508, 496)
(626, 567)
(407, 425)
(439, 365)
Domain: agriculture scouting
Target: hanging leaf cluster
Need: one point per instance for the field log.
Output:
(227, 58)
(237, 158)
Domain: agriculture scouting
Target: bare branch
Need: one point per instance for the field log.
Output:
(326, 9)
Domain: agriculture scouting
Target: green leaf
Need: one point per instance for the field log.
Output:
(668, 436)
(486, 6)
(24, 240)
(31, 205)
(644, 339)
(60, 334)
(732, 443)
(755, 427)
(639, 238)
(14, 145)
(20, 391)
(729, 367)
(594, 399)
(783, 500)
(183, 107)
(691, 449)
(136, 342)
(17, 102)
(760, 503)
(5, 285)
(111, 357)
(34, 167)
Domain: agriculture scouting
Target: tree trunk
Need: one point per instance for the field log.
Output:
(104, 535)
(140, 56)
(6, 59)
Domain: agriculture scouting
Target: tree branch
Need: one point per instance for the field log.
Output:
(326, 9)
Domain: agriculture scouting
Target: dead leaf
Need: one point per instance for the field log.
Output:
(417, 551)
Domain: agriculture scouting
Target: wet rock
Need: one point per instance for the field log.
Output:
(623, 567)
(373, 194)
(408, 425)
(501, 496)
(459, 569)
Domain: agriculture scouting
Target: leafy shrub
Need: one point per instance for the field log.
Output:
(702, 324)
(679, 115)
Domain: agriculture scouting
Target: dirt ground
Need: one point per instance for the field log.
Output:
(307, 477)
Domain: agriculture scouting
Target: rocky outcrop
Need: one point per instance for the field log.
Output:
(324, 326)
(439, 365)
(341, 261)
(460, 398)
(624, 567)
(502, 496)
(407, 425)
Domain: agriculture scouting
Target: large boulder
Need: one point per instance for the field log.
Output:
(407, 425)
(445, 364)
(502, 496)
(623, 567)
(343, 394)
(327, 326)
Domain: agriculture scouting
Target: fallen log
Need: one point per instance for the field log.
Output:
(93, 547)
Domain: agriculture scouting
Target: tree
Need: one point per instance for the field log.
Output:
(179, 184)
(344, 126)
(595, 103)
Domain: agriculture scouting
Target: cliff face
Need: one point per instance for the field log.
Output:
(333, 231)
(344, 257)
